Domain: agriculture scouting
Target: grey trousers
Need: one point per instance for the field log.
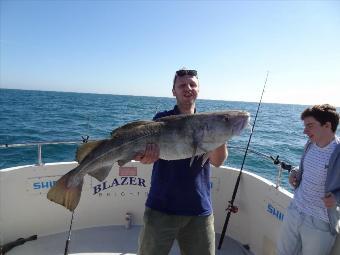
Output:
(195, 234)
(304, 234)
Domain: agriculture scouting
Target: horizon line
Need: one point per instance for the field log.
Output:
(224, 100)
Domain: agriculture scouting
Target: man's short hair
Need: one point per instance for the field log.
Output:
(322, 113)
(184, 71)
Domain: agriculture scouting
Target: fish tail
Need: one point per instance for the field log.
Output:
(67, 190)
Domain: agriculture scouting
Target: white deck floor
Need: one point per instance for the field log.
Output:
(104, 240)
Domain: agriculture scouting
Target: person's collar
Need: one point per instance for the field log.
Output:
(337, 139)
(326, 142)
(176, 110)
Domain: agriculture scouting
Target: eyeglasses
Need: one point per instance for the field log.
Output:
(181, 73)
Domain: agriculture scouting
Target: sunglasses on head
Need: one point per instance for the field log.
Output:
(186, 72)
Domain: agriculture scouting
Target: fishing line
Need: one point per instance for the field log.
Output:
(231, 208)
(85, 138)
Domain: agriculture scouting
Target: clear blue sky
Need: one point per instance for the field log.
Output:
(134, 47)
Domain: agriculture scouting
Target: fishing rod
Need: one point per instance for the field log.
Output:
(231, 208)
(85, 140)
(276, 160)
(266, 156)
(69, 236)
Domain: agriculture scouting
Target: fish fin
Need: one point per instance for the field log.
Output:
(67, 190)
(129, 126)
(193, 155)
(84, 149)
(122, 162)
(205, 158)
(197, 137)
(101, 173)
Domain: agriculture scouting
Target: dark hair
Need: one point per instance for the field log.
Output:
(181, 72)
(322, 113)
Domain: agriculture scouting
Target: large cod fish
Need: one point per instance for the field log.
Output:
(178, 137)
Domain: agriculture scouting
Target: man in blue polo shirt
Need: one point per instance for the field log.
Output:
(179, 203)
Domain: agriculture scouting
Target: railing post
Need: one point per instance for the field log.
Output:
(279, 175)
(39, 155)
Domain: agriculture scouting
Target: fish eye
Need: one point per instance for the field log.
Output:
(226, 118)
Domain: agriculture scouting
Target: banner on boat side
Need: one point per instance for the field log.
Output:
(127, 171)
(123, 181)
(126, 184)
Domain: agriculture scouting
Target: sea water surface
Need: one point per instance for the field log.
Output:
(41, 116)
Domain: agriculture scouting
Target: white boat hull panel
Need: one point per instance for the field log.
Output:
(25, 210)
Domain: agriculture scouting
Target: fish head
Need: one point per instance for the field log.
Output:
(226, 124)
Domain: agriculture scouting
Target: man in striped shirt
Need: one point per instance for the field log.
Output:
(312, 220)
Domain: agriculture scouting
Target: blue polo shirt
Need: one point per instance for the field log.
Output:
(176, 188)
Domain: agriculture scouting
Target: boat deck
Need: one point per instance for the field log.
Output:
(113, 240)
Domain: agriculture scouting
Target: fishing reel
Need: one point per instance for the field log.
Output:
(282, 164)
(85, 139)
(232, 208)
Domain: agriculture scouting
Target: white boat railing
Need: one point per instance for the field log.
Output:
(39, 146)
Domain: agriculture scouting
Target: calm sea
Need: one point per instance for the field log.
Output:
(40, 116)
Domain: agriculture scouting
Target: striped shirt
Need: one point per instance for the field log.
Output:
(308, 196)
